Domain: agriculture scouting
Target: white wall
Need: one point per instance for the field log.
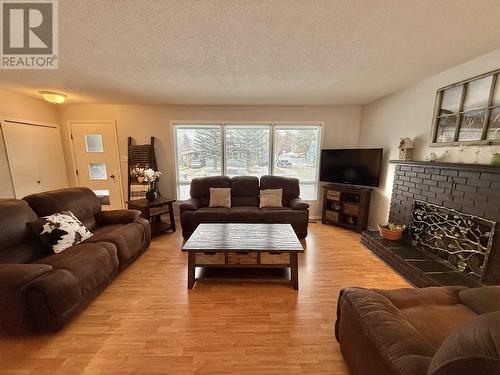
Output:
(408, 113)
(23, 108)
(142, 121)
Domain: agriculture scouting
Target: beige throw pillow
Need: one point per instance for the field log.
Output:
(271, 198)
(220, 197)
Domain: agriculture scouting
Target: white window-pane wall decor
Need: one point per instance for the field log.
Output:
(466, 113)
(248, 150)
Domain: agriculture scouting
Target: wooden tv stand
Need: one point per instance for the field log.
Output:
(346, 206)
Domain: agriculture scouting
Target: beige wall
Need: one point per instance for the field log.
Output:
(143, 121)
(408, 113)
(20, 107)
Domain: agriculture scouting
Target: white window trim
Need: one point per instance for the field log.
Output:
(272, 125)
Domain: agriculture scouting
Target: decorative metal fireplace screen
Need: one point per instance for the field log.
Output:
(463, 241)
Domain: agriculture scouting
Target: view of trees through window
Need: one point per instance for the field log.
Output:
(246, 150)
(296, 155)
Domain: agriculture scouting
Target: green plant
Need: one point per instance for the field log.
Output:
(495, 159)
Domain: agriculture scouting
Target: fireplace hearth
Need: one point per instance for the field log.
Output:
(451, 211)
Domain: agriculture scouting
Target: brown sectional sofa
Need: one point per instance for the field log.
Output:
(244, 203)
(434, 331)
(41, 291)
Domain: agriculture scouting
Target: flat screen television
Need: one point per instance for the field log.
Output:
(351, 166)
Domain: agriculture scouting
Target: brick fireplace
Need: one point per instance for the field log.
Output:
(467, 188)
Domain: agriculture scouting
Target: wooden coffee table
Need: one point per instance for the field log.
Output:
(243, 245)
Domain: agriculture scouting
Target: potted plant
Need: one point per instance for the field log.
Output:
(391, 231)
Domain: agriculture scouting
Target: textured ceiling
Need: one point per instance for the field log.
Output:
(257, 51)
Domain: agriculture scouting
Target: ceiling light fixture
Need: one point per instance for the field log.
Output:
(53, 97)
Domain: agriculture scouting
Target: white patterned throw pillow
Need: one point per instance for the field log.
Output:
(60, 231)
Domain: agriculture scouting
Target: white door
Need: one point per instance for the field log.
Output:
(36, 159)
(97, 164)
(50, 156)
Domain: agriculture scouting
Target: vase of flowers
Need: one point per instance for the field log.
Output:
(152, 193)
(149, 176)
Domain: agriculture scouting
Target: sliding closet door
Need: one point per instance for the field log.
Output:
(35, 157)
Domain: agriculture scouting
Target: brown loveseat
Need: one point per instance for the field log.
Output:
(244, 203)
(40, 290)
(434, 331)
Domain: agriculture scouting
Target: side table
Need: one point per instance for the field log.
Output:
(153, 210)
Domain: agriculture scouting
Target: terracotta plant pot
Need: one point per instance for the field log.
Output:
(390, 234)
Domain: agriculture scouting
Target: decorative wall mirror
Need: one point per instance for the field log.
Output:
(468, 112)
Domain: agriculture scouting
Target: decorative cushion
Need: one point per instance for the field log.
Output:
(271, 198)
(60, 231)
(220, 197)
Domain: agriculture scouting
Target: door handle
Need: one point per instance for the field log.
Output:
(112, 176)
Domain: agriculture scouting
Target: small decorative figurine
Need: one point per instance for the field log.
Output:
(432, 157)
(406, 149)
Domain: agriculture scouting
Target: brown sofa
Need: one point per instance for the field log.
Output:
(244, 203)
(40, 290)
(434, 331)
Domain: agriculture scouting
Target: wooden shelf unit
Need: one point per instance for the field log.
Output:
(346, 206)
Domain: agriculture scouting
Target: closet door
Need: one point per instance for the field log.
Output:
(35, 157)
(23, 158)
(52, 169)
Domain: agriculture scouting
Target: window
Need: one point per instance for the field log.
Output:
(97, 171)
(93, 143)
(296, 155)
(247, 150)
(468, 112)
(199, 154)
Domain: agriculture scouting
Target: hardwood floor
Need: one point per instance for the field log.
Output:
(148, 322)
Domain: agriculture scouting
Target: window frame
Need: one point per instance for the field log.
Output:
(249, 125)
(318, 152)
(191, 125)
(488, 108)
(271, 125)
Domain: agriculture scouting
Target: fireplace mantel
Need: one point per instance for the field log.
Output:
(438, 164)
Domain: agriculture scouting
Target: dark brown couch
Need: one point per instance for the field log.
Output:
(434, 331)
(244, 203)
(40, 290)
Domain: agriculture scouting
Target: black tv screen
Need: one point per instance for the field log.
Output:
(351, 166)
